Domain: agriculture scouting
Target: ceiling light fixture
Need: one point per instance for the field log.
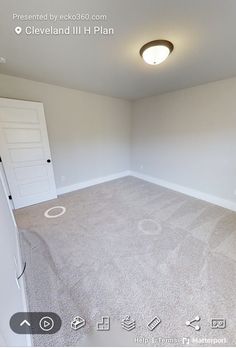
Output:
(155, 52)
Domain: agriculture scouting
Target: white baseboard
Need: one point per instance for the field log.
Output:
(188, 191)
(84, 184)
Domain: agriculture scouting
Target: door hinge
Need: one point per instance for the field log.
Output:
(10, 197)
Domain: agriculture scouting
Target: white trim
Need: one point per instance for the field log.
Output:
(188, 191)
(172, 186)
(84, 184)
(22, 284)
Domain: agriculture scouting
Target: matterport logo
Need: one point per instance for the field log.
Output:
(209, 341)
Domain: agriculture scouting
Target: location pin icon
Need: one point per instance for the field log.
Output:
(18, 30)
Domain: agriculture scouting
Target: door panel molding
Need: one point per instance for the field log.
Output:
(24, 148)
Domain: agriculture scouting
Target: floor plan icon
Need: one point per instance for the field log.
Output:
(128, 324)
(104, 324)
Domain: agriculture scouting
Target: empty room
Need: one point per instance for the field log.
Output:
(118, 173)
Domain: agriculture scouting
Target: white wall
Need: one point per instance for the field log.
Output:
(89, 134)
(12, 297)
(188, 138)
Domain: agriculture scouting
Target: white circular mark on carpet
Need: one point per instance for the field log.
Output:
(61, 209)
(149, 226)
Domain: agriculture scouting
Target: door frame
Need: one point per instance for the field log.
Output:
(5, 184)
(18, 262)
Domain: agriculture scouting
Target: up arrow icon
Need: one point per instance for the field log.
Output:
(25, 322)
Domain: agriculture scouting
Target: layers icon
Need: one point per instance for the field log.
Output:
(128, 324)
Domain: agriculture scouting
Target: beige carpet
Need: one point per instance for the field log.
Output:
(128, 247)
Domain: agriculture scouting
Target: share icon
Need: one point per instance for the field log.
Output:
(190, 323)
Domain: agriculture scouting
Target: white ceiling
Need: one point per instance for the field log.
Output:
(202, 31)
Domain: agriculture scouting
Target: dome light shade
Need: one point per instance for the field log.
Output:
(155, 52)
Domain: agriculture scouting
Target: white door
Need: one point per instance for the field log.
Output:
(12, 294)
(25, 152)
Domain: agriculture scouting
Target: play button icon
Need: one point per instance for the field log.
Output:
(35, 323)
(46, 323)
